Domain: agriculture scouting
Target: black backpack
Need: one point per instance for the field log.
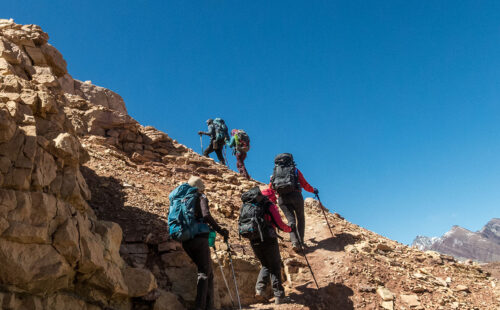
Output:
(252, 223)
(285, 179)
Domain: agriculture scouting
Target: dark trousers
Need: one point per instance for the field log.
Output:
(292, 205)
(240, 164)
(268, 253)
(199, 252)
(217, 149)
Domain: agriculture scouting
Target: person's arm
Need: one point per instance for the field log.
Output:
(304, 183)
(207, 217)
(232, 142)
(273, 209)
(209, 132)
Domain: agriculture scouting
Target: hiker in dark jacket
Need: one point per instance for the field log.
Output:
(268, 252)
(292, 205)
(240, 154)
(213, 145)
(199, 252)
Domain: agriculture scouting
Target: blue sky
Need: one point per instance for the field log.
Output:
(391, 108)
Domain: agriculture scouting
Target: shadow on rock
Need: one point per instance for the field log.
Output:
(334, 296)
(334, 244)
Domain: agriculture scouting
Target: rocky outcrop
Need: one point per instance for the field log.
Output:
(481, 246)
(55, 253)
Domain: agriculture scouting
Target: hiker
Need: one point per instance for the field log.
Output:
(258, 209)
(217, 131)
(240, 142)
(288, 182)
(195, 237)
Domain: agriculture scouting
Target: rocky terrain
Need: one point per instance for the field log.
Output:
(481, 246)
(84, 199)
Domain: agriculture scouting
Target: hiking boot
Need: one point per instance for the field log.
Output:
(261, 297)
(279, 300)
(296, 247)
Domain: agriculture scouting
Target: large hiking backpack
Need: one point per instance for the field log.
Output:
(285, 177)
(252, 223)
(221, 131)
(183, 225)
(242, 141)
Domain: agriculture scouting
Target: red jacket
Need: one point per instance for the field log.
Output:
(275, 213)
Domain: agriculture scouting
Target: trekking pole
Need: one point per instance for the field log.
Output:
(224, 276)
(304, 254)
(324, 214)
(201, 143)
(234, 275)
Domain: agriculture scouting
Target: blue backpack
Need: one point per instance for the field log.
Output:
(183, 225)
(221, 131)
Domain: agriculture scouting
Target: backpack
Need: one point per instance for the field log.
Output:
(242, 141)
(182, 222)
(285, 177)
(252, 223)
(221, 131)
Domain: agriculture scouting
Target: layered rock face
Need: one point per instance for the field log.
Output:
(481, 246)
(54, 252)
(84, 201)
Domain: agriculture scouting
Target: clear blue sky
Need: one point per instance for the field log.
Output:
(391, 108)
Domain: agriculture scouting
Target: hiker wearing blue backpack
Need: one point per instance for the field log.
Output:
(218, 133)
(190, 221)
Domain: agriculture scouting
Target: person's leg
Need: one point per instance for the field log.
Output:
(288, 210)
(199, 252)
(240, 164)
(299, 211)
(209, 149)
(259, 250)
(273, 252)
(220, 156)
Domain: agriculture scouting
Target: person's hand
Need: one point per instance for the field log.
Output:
(316, 191)
(224, 233)
(200, 132)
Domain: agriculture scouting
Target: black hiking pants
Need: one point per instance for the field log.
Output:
(268, 253)
(199, 252)
(218, 151)
(292, 205)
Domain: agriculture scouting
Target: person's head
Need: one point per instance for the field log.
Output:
(210, 121)
(197, 182)
(233, 132)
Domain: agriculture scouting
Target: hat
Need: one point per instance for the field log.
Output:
(210, 121)
(197, 182)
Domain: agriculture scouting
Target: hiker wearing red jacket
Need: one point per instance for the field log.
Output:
(268, 253)
(288, 181)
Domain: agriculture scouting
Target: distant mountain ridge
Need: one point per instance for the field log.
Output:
(482, 246)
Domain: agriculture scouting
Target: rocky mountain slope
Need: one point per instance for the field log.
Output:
(482, 246)
(84, 197)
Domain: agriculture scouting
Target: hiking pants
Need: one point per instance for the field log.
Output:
(268, 253)
(240, 164)
(292, 205)
(218, 151)
(199, 252)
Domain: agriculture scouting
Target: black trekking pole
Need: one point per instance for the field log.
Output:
(304, 254)
(324, 214)
(232, 269)
(223, 276)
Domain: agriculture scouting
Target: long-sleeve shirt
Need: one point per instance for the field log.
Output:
(203, 212)
(210, 132)
(274, 212)
(303, 182)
